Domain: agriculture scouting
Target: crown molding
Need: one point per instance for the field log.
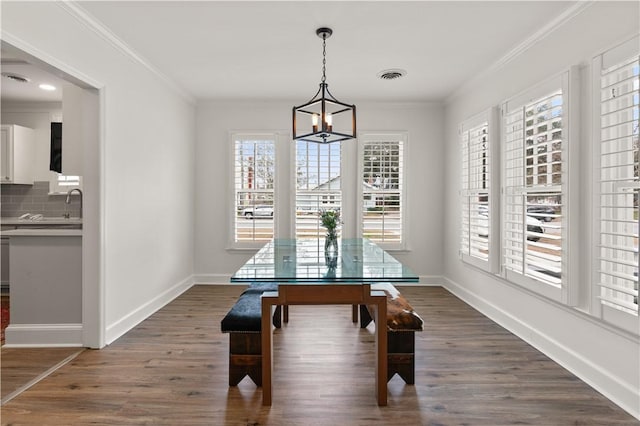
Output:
(568, 14)
(85, 18)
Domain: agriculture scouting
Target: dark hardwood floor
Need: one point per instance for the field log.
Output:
(21, 367)
(172, 369)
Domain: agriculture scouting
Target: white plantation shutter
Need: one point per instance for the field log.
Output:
(382, 188)
(617, 271)
(318, 186)
(475, 191)
(254, 179)
(534, 179)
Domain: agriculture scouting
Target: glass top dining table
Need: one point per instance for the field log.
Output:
(306, 274)
(357, 260)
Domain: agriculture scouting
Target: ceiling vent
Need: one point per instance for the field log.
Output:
(15, 77)
(391, 74)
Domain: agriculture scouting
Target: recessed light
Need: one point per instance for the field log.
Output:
(47, 87)
(391, 74)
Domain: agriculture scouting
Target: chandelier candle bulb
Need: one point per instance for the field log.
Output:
(314, 122)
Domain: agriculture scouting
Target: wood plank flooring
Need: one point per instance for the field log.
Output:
(19, 367)
(172, 370)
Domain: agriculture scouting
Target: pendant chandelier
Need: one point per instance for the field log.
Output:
(324, 119)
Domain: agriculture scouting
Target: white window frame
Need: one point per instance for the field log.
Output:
(608, 313)
(250, 135)
(567, 291)
(489, 118)
(294, 190)
(384, 137)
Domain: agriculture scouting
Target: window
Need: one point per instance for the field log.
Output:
(382, 188)
(318, 186)
(535, 182)
(254, 182)
(477, 213)
(61, 184)
(619, 182)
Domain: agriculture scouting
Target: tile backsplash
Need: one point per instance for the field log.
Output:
(35, 199)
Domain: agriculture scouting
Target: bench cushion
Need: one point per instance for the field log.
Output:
(400, 314)
(245, 315)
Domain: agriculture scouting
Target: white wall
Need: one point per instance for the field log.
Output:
(425, 193)
(601, 355)
(146, 193)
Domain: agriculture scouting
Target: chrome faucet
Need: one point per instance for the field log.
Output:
(68, 200)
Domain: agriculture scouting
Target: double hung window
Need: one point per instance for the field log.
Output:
(254, 183)
(318, 186)
(617, 73)
(382, 185)
(476, 183)
(535, 182)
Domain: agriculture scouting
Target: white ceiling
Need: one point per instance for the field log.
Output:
(13, 91)
(269, 50)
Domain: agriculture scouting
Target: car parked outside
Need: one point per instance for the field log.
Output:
(257, 211)
(543, 212)
(533, 225)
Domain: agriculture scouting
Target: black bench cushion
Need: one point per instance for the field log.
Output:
(245, 315)
(400, 314)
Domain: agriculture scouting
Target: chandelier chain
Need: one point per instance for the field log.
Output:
(324, 59)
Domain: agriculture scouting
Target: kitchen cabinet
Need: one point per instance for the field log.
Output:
(17, 154)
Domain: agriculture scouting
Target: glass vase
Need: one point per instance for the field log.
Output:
(331, 243)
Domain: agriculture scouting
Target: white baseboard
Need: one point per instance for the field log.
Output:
(595, 376)
(43, 335)
(126, 323)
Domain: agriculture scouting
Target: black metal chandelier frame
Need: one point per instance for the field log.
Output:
(323, 107)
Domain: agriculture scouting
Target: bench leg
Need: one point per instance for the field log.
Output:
(401, 355)
(245, 358)
(285, 313)
(277, 317)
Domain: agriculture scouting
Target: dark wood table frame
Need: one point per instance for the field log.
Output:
(325, 294)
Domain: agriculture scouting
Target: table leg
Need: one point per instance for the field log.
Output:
(354, 313)
(380, 319)
(267, 348)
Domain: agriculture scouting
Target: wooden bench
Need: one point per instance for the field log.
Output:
(402, 323)
(243, 323)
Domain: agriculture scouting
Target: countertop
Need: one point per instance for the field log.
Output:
(42, 227)
(55, 221)
(42, 232)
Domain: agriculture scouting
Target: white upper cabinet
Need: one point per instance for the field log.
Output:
(17, 154)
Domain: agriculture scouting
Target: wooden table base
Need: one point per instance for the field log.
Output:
(325, 294)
